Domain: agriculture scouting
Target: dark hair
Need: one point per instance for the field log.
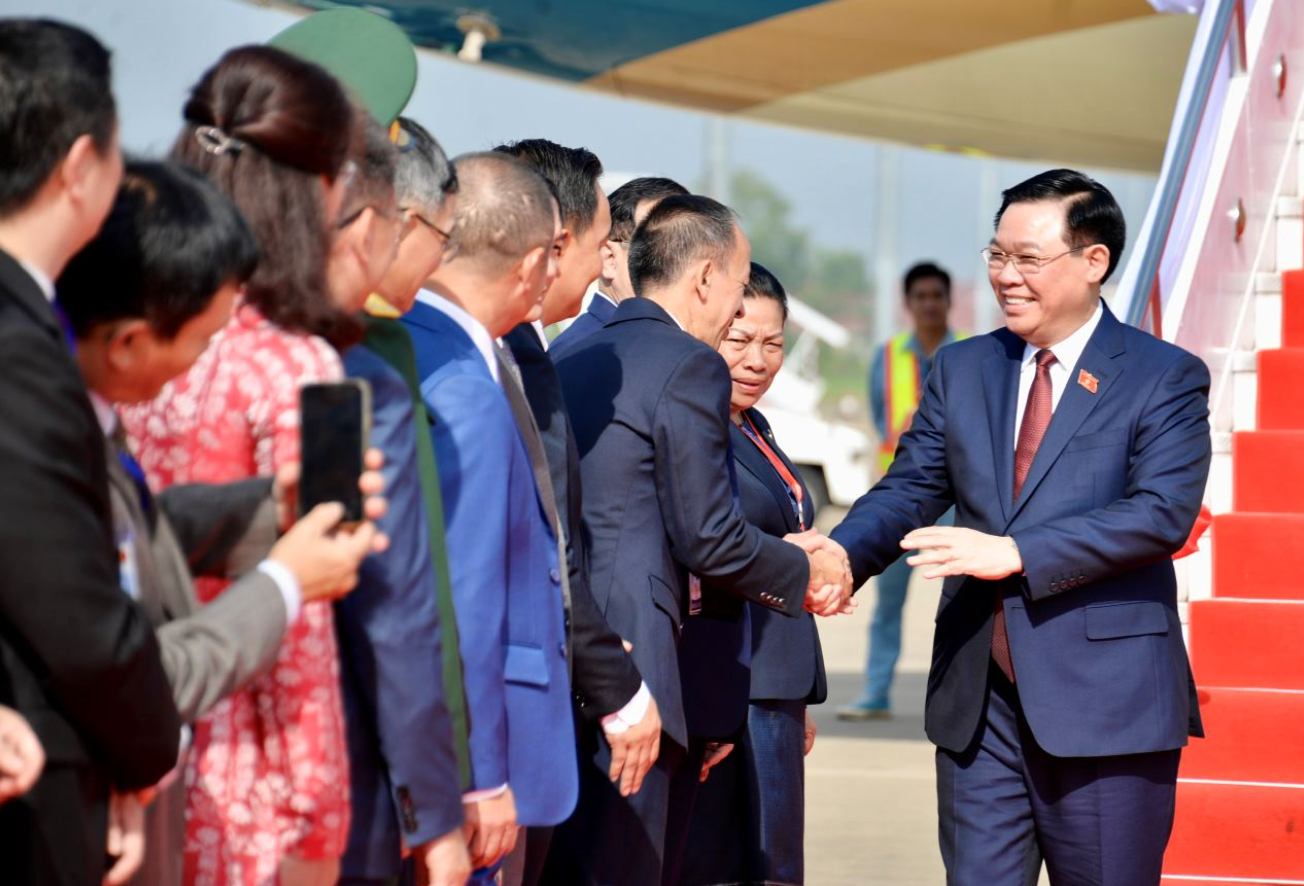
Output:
(925, 270)
(1091, 214)
(171, 241)
(504, 209)
(54, 88)
(679, 231)
(573, 171)
(289, 124)
(763, 284)
(375, 159)
(626, 198)
(423, 175)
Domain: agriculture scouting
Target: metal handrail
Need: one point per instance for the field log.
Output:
(1170, 187)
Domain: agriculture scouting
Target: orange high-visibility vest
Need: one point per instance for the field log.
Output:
(901, 389)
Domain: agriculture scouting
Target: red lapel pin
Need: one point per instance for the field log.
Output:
(1088, 381)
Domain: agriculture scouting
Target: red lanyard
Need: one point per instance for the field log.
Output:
(795, 490)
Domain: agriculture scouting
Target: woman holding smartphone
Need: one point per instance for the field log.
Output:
(748, 821)
(267, 776)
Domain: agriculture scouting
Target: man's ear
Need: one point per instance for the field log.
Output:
(1097, 256)
(531, 262)
(565, 239)
(77, 166)
(127, 345)
(703, 276)
(610, 260)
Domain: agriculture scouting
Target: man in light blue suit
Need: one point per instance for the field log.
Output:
(503, 553)
(1075, 451)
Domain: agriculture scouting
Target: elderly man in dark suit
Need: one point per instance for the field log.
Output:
(649, 401)
(1075, 451)
(78, 657)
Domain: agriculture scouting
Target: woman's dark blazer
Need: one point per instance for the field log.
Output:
(787, 662)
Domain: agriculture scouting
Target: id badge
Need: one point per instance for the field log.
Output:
(128, 570)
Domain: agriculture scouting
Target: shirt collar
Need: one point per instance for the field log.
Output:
(42, 279)
(480, 336)
(538, 328)
(104, 411)
(598, 293)
(1070, 350)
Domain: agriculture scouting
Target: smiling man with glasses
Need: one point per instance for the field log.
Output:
(1075, 451)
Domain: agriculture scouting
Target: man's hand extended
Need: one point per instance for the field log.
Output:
(950, 550)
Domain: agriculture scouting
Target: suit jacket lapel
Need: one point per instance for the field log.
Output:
(1076, 403)
(1001, 391)
(754, 461)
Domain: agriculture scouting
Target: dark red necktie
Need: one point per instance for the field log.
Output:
(1036, 418)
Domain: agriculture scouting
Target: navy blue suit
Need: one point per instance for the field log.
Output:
(649, 405)
(506, 578)
(1093, 628)
(403, 769)
(598, 315)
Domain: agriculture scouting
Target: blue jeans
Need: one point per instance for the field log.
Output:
(885, 628)
(885, 633)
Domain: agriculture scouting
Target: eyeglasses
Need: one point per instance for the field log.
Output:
(447, 236)
(1024, 264)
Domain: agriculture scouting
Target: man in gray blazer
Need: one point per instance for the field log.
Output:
(129, 340)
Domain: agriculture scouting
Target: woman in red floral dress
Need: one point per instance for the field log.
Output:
(267, 778)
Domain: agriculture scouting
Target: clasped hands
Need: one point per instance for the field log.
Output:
(830, 587)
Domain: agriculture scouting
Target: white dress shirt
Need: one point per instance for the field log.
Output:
(480, 337)
(543, 336)
(279, 573)
(1067, 353)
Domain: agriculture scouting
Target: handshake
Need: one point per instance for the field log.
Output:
(830, 587)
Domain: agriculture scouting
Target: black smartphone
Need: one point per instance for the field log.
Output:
(334, 427)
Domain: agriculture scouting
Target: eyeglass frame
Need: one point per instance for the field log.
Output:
(1041, 260)
(446, 235)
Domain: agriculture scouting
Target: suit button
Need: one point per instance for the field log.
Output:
(561, 647)
(555, 575)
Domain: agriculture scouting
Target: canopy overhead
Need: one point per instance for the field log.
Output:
(1089, 82)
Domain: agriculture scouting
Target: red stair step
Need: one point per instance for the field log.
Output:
(1252, 735)
(1241, 831)
(1246, 643)
(1254, 556)
(1268, 471)
(1281, 390)
(1170, 880)
(1292, 309)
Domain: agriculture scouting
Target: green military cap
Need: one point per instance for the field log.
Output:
(368, 53)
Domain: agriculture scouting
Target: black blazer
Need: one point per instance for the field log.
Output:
(649, 405)
(787, 662)
(78, 657)
(604, 677)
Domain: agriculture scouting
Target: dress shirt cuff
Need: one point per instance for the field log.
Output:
(486, 794)
(630, 715)
(288, 585)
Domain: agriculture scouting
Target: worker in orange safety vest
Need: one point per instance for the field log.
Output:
(896, 380)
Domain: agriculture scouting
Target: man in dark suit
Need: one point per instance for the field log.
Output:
(179, 250)
(611, 694)
(78, 657)
(630, 203)
(403, 768)
(649, 401)
(1075, 451)
(504, 554)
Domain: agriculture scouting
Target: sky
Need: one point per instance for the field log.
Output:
(944, 202)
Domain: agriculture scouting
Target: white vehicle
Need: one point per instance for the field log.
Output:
(835, 458)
